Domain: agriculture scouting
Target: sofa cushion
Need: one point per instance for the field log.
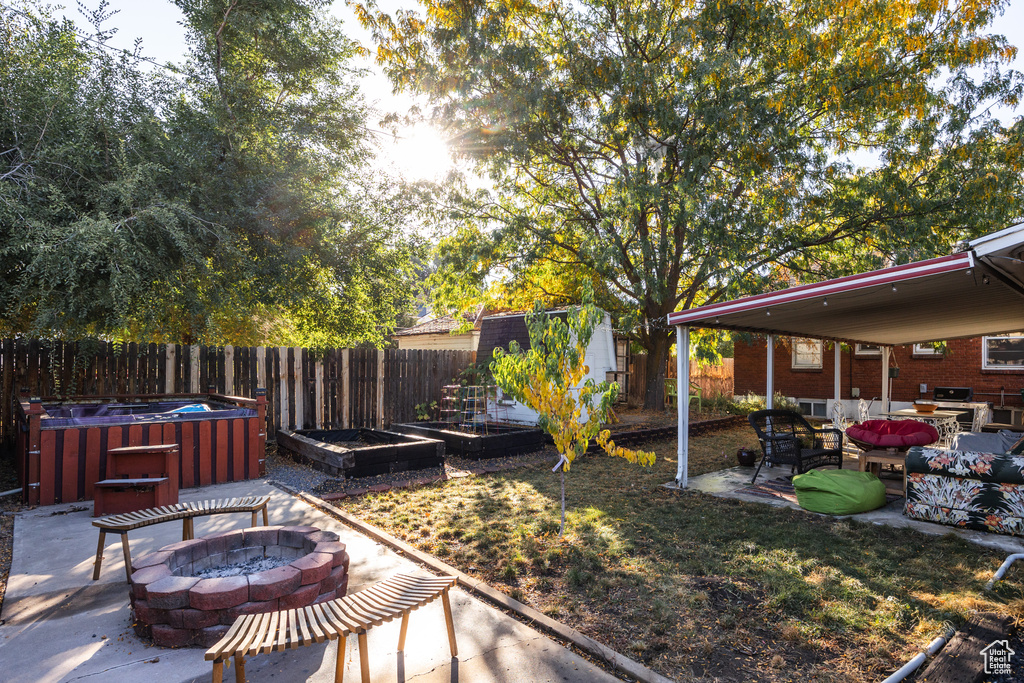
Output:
(994, 467)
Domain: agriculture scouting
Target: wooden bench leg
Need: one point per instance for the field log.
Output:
(218, 671)
(254, 519)
(450, 623)
(127, 556)
(401, 634)
(364, 658)
(239, 669)
(265, 522)
(99, 556)
(339, 666)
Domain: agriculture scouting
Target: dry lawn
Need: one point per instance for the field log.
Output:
(697, 587)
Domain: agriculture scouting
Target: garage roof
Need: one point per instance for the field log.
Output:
(977, 292)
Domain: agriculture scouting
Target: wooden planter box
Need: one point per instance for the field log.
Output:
(496, 442)
(361, 452)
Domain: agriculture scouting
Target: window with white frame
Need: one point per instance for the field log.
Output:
(867, 350)
(1005, 352)
(929, 349)
(806, 354)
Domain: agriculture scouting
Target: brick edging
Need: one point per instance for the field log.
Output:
(617, 661)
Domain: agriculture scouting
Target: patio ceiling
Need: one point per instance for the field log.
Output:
(973, 293)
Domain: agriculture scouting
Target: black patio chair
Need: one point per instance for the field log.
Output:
(788, 439)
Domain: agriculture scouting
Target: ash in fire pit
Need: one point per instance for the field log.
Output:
(183, 594)
(252, 566)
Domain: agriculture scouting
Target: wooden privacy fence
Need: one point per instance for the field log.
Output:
(338, 388)
(713, 380)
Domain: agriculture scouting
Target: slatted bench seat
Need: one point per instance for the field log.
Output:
(123, 523)
(354, 614)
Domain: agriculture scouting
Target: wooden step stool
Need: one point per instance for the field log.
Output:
(138, 477)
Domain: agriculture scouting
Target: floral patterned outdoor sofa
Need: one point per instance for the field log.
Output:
(983, 491)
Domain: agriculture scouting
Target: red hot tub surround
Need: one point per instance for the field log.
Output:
(177, 609)
(62, 444)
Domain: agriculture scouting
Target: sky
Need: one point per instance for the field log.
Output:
(418, 153)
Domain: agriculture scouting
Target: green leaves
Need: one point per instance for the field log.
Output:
(684, 152)
(230, 205)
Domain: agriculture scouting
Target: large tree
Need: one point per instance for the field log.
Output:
(682, 151)
(227, 200)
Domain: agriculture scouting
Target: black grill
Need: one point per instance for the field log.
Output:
(960, 394)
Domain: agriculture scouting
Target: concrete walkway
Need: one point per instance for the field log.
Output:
(59, 625)
(731, 482)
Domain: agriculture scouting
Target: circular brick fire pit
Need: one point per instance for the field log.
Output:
(176, 608)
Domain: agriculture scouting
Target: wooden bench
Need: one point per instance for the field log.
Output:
(186, 512)
(354, 614)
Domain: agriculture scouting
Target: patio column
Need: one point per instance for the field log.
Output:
(770, 375)
(837, 374)
(885, 379)
(682, 403)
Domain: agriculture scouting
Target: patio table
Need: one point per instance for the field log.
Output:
(945, 421)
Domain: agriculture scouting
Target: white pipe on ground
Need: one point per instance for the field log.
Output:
(912, 666)
(1010, 559)
(940, 642)
(10, 493)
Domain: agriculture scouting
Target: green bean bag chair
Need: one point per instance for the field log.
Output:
(839, 492)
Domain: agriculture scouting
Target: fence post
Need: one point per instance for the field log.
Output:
(229, 370)
(193, 378)
(300, 388)
(318, 388)
(380, 388)
(346, 392)
(282, 393)
(170, 358)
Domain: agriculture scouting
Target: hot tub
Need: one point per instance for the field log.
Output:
(62, 444)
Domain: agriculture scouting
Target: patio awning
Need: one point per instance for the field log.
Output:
(973, 293)
(977, 292)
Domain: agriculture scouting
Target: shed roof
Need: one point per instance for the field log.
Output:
(977, 292)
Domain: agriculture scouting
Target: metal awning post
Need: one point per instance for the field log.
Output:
(682, 403)
(885, 379)
(770, 376)
(837, 375)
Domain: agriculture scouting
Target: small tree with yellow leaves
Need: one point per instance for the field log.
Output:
(549, 378)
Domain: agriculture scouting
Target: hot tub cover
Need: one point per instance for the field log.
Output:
(898, 434)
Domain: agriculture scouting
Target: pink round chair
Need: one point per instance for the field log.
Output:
(898, 434)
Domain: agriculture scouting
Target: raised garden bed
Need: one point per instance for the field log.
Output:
(361, 452)
(475, 442)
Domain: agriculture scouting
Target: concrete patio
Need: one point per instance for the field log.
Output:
(59, 625)
(731, 482)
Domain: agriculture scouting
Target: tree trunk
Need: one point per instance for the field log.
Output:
(657, 356)
(561, 474)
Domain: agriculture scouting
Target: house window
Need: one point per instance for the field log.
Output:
(929, 349)
(812, 407)
(868, 350)
(806, 354)
(1002, 353)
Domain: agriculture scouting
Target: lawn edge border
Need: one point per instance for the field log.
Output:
(616, 660)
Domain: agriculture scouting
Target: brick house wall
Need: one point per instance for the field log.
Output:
(959, 367)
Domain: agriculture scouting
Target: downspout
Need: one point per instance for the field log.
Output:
(770, 375)
(682, 403)
(837, 379)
